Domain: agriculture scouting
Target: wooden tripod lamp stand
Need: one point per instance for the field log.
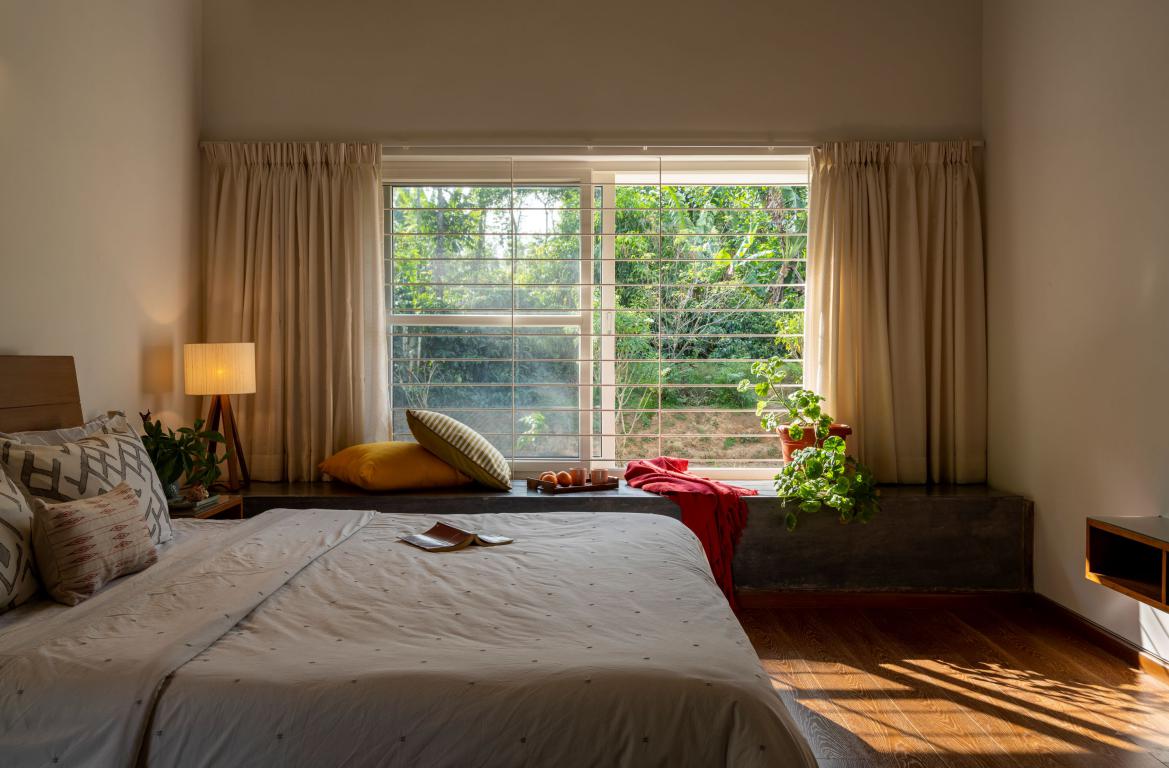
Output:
(219, 371)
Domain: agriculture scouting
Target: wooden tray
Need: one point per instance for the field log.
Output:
(535, 484)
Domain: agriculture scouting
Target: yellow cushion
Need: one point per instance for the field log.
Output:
(392, 467)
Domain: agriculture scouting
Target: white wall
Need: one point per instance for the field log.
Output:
(1076, 105)
(99, 115)
(602, 70)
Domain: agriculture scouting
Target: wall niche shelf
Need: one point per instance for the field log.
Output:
(1130, 555)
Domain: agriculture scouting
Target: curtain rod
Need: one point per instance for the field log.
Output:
(584, 150)
(606, 146)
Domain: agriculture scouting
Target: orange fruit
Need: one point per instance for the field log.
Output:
(563, 478)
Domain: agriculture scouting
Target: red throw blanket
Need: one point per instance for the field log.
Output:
(715, 511)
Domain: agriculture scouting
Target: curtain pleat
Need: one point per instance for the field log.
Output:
(895, 335)
(293, 261)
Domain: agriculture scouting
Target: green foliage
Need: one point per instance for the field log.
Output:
(804, 412)
(534, 424)
(707, 277)
(824, 476)
(776, 406)
(182, 453)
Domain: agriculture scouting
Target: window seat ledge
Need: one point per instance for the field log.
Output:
(925, 538)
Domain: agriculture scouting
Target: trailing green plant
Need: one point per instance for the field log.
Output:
(184, 453)
(824, 475)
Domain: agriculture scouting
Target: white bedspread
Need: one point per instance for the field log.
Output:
(596, 640)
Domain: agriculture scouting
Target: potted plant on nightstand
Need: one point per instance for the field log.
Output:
(185, 453)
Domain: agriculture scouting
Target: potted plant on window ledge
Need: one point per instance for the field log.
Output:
(817, 470)
(797, 418)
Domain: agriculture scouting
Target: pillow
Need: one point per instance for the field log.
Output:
(392, 467)
(89, 466)
(460, 446)
(83, 545)
(101, 425)
(18, 581)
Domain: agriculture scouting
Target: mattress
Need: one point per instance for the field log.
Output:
(315, 638)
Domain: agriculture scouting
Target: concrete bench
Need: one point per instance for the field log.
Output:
(924, 539)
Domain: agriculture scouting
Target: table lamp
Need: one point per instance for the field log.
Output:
(222, 370)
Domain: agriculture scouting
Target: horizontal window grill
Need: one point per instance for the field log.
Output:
(595, 313)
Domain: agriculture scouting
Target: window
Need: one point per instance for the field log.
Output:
(592, 310)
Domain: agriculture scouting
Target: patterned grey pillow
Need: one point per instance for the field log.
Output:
(101, 425)
(88, 467)
(18, 580)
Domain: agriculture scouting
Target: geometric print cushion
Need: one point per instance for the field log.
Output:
(83, 545)
(90, 466)
(460, 446)
(18, 580)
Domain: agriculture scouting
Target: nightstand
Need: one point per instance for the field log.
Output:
(229, 506)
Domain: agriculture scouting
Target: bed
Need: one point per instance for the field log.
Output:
(316, 638)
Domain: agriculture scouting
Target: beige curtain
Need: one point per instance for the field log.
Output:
(896, 322)
(292, 240)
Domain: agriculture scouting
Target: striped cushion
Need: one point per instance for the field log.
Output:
(460, 446)
(83, 545)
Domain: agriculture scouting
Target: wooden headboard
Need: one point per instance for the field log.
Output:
(38, 393)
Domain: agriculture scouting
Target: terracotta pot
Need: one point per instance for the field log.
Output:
(791, 446)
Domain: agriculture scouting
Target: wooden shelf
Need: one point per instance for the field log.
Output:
(1144, 591)
(1130, 555)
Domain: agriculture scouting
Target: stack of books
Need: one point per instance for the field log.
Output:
(184, 507)
(210, 501)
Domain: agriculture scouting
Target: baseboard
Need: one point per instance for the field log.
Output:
(768, 598)
(1102, 637)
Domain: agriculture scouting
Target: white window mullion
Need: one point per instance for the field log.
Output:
(608, 320)
(585, 380)
(512, 317)
(661, 307)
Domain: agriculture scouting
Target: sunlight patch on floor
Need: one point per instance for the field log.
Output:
(1021, 702)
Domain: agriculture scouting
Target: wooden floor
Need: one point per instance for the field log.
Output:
(956, 682)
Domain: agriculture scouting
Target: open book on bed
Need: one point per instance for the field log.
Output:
(447, 538)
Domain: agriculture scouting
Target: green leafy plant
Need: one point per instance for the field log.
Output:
(799, 410)
(184, 453)
(770, 375)
(824, 475)
(803, 411)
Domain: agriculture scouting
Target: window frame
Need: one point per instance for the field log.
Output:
(586, 173)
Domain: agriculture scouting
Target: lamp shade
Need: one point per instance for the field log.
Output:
(219, 369)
